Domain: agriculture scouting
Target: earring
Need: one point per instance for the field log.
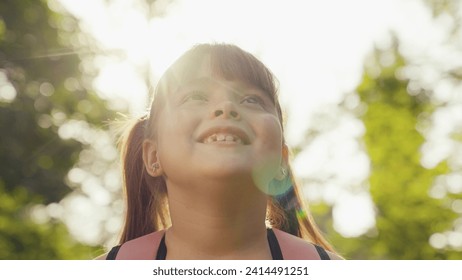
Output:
(155, 166)
(281, 183)
(282, 173)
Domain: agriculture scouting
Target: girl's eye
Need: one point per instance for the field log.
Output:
(196, 96)
(252, 99)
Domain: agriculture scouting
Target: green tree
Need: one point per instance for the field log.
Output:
(41, 93)
(417, 204)
(408, 216)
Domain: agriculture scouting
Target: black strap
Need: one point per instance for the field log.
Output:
(162, 250)
(275, 249)
(322, 253)
(113, 253)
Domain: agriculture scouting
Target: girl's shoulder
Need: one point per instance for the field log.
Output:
(296, 248)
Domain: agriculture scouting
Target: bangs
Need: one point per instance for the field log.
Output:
(232, 63)
(226, 61)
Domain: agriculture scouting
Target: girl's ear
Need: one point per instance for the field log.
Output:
(150, 159)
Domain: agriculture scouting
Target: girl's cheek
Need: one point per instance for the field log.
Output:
(272, 124)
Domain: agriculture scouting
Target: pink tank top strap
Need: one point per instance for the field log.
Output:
(141, 248)
(295, 248)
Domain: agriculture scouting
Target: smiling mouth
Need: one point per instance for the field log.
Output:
(225, 135)
(224, 138)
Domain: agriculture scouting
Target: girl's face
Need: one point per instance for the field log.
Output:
(218, 129)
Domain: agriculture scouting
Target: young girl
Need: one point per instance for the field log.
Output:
(207, 172)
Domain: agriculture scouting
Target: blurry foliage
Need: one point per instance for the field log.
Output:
(22, 238)
(439, 7)
(406, 214)
(413, 203)
(450, 11)
(41, 89)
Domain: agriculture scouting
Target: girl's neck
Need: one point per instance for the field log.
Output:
(217, 227)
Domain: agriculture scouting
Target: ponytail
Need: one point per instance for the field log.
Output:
(145, 195)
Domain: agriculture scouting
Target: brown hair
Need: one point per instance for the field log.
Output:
(146, 196)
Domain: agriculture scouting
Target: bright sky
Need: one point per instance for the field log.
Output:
(315, 48)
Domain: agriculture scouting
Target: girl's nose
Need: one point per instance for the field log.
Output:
(226, 110)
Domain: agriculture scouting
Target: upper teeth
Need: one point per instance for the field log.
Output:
(221, 137)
